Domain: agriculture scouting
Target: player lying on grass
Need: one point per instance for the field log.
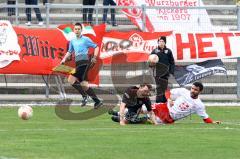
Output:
(182, 103)
(133, 100)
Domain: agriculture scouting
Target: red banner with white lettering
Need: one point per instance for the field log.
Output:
(122, 47)
(118, 47)
(196, 47)
(38, 51)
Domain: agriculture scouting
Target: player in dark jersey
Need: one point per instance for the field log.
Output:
(133, 100)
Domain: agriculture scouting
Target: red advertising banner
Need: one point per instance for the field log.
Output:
(118, 47)
(122, 47)
(37, 51)
(205, 46)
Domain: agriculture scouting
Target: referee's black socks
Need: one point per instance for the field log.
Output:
(78, 87)
(92, 94)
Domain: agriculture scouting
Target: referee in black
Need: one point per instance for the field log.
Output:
(162, 69)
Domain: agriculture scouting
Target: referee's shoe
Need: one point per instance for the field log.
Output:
(84, 101)
(98, 104)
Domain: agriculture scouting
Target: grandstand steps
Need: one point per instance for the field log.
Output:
(219, 2)
(119, 80)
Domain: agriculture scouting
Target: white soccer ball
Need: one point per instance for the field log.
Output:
(153, 58)
(25, 112)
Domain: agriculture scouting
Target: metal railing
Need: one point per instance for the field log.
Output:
(51, 11)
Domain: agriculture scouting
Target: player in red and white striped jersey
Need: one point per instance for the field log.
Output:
(182, 103)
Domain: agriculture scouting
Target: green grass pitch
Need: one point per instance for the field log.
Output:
(45, 136)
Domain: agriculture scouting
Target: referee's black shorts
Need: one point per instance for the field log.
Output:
(81, 70)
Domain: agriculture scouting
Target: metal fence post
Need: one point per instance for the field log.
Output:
(143, 29)
(47, 5)
(16, 12)
(143, 17)
(97, 12)
(47, 85)
(60, 87)
(238, 59)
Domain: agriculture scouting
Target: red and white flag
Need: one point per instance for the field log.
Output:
(165, 19)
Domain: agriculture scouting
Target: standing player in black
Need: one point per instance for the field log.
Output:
(162, 69)
(131, 106)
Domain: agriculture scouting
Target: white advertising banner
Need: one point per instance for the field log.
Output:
(165, 19)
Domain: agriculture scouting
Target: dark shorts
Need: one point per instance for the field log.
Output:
(81, 70)
(132, 116)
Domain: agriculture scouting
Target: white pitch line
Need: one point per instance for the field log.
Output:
(229, 123)
(121, 129)
(217, 104)
(222, 123)
(41, 104)
(3, 157)
(155, 128)
(221, 104)
(30, 130)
